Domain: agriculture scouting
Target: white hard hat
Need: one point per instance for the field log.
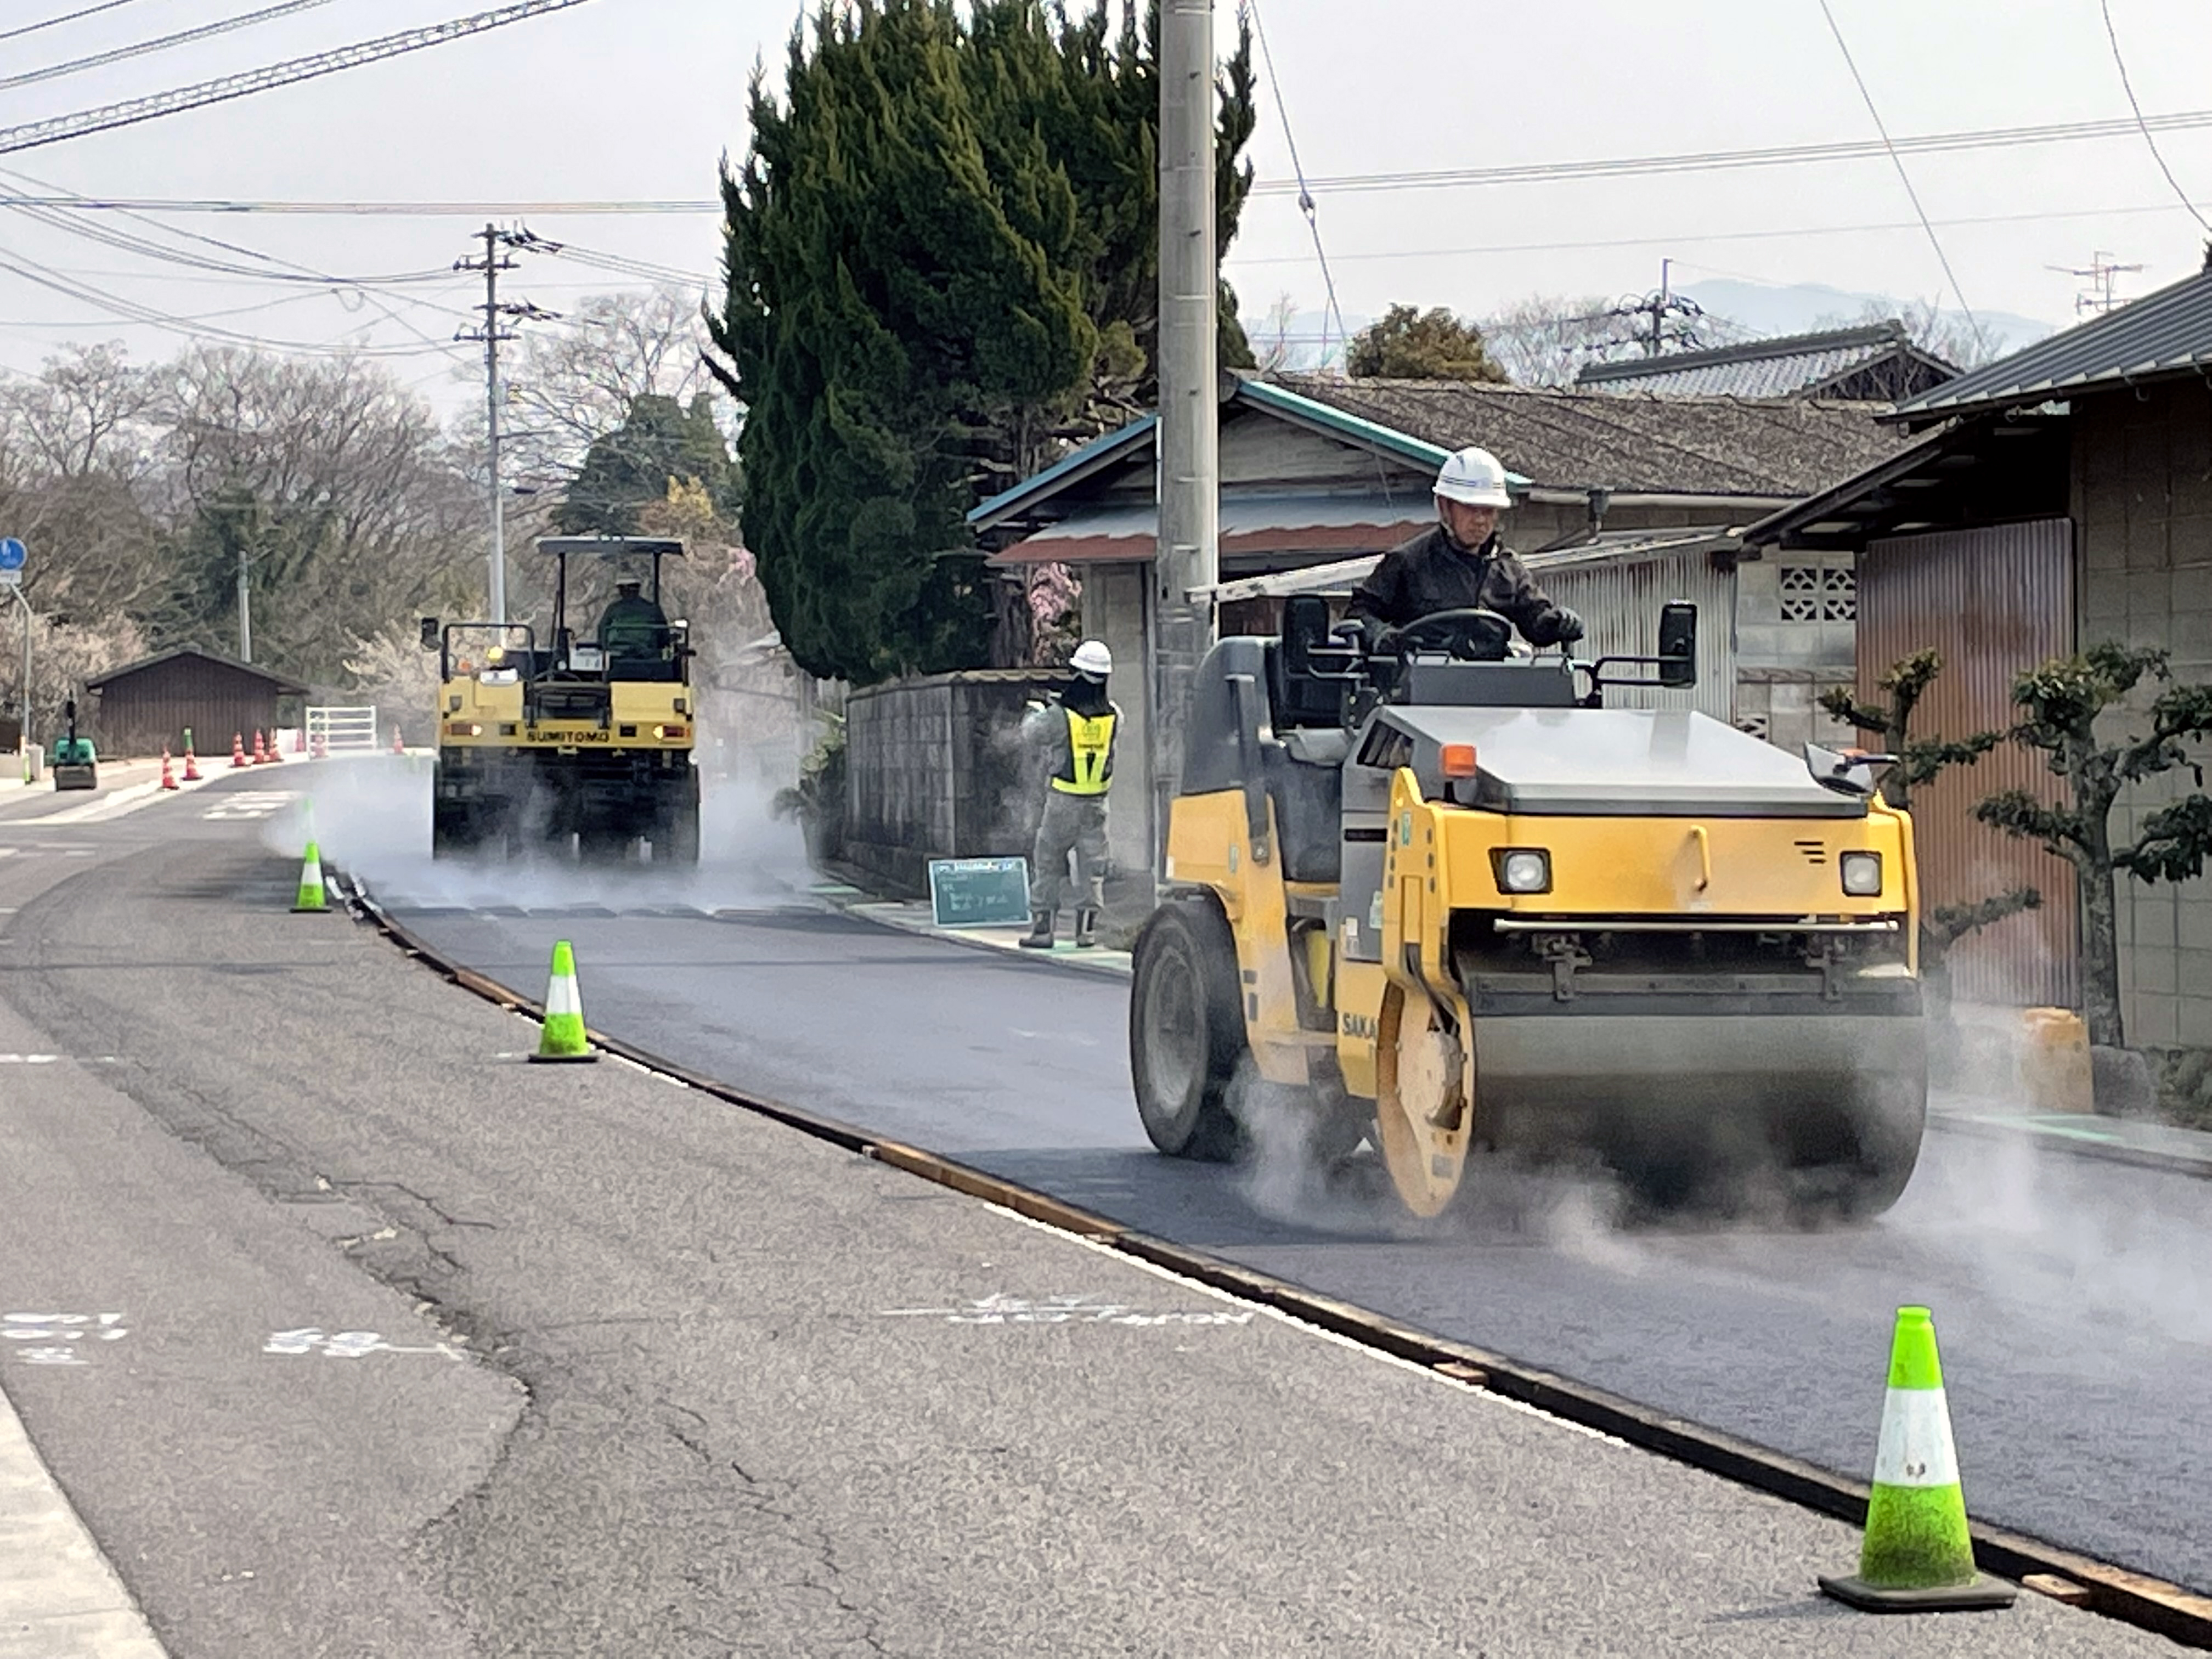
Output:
(1092, 658)
(1473, 476)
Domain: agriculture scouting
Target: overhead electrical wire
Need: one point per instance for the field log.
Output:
(55, 129)
(67, 222)
(1905, 178)
(66, 17)
(1305, 197)
(161, 43)
(2126, 86)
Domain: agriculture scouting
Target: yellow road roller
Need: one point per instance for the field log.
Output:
(1441, 899)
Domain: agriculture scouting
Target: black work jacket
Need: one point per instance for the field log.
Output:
(1433, 573)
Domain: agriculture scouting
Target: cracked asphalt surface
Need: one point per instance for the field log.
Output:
(661, 1378)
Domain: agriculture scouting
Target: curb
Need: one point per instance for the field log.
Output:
(885, 913)
(2103, 1588)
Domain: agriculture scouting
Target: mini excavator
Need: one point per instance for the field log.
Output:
(1445, 900)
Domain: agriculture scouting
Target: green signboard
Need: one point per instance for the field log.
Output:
(979, 892)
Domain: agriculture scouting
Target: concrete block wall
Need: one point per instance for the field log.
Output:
(1796, 637)
(933, 770)
(2142, 501)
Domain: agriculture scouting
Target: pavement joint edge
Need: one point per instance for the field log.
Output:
(2103, 1588)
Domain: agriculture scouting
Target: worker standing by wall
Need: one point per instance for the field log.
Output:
(1075, 735)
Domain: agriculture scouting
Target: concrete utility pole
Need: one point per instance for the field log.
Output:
(494, 260)
(30, 764)
(1189, 448)
(245, 608)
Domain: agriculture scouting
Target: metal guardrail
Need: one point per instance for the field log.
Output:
(2098, 1587)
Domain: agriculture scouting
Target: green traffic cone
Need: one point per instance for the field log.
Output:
(1917, 1556)
(311, 900)
(562, 1037)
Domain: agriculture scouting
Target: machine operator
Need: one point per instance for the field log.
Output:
(1459, 563)
(632, 626)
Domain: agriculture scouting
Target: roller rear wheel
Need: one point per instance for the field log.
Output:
(1186, 1030)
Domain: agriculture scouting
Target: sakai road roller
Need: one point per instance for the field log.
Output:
(1443, 899)
(578, 740)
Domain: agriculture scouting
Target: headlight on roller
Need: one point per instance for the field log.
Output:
(1861, 873)
(1522, 870)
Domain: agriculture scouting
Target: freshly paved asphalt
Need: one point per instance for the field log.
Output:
(2071, 1298)
(664, 1379)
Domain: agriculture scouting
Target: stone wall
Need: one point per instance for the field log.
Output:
(934, 769)
(1797, 617)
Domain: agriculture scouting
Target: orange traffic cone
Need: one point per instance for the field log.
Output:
(260, 753)
(192, 766)
(300, 741)
(322, 751)
(397, 747)
(275, 755)
(168, 778)
(238, 751)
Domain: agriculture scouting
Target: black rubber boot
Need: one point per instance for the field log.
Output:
(1039, 936)
(1086, 929)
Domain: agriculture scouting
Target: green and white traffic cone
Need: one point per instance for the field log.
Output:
(1917, 1556)
(311, 900)
(562, 1037)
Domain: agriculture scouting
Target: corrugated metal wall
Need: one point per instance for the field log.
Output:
(1620, 605)
(1994, 602)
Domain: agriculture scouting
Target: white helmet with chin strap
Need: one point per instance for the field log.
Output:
(1475, 476)
(1092, 658)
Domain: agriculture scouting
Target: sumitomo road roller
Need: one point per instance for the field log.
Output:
(1441, 899)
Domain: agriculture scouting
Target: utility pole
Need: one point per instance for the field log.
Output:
(494, 260)
(245, 607)
(30, 762)
(1189, 554)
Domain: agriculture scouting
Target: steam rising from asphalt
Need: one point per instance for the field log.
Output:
(371, 816)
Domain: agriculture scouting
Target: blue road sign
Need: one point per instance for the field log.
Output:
(12, 555)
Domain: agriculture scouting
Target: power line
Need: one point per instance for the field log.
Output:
(1920, 212)
(67, 18)
(1772, 155)
(2121, 64)
(1305, 195)
(55, 129)
(140, 48)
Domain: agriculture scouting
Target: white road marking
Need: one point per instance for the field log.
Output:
(1003, 1309)
(52, 1333)
(251, 804)
(345, 1345)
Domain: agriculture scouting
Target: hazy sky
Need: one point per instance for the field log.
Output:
(632, 99)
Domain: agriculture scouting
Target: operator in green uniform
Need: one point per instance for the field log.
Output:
(632, 626)
(1075, 733)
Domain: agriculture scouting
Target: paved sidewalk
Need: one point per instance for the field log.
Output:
(2151, 1145)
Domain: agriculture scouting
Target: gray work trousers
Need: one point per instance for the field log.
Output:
(1072, 824)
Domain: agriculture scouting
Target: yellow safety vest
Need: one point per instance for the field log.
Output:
(1090, 754)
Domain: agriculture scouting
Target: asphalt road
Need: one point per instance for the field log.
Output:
(2072, 1298)
(653, 1376)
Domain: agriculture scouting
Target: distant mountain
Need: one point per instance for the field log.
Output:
(1806, 307)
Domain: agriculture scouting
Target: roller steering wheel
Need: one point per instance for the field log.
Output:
(1468, 635)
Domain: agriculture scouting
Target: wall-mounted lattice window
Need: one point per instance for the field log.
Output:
(1754, 724)
(1819, 592)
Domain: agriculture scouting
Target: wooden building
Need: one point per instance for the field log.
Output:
(2058, 498)
(146, 707)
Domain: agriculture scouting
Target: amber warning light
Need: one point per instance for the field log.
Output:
(1459, 760)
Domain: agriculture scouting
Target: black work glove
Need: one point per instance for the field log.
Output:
(1567, 627)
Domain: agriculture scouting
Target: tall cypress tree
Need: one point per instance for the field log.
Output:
(941, 250)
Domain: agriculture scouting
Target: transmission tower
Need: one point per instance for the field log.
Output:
(2101, 295)
(497, 313)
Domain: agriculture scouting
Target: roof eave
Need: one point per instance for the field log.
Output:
(1100, 453)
